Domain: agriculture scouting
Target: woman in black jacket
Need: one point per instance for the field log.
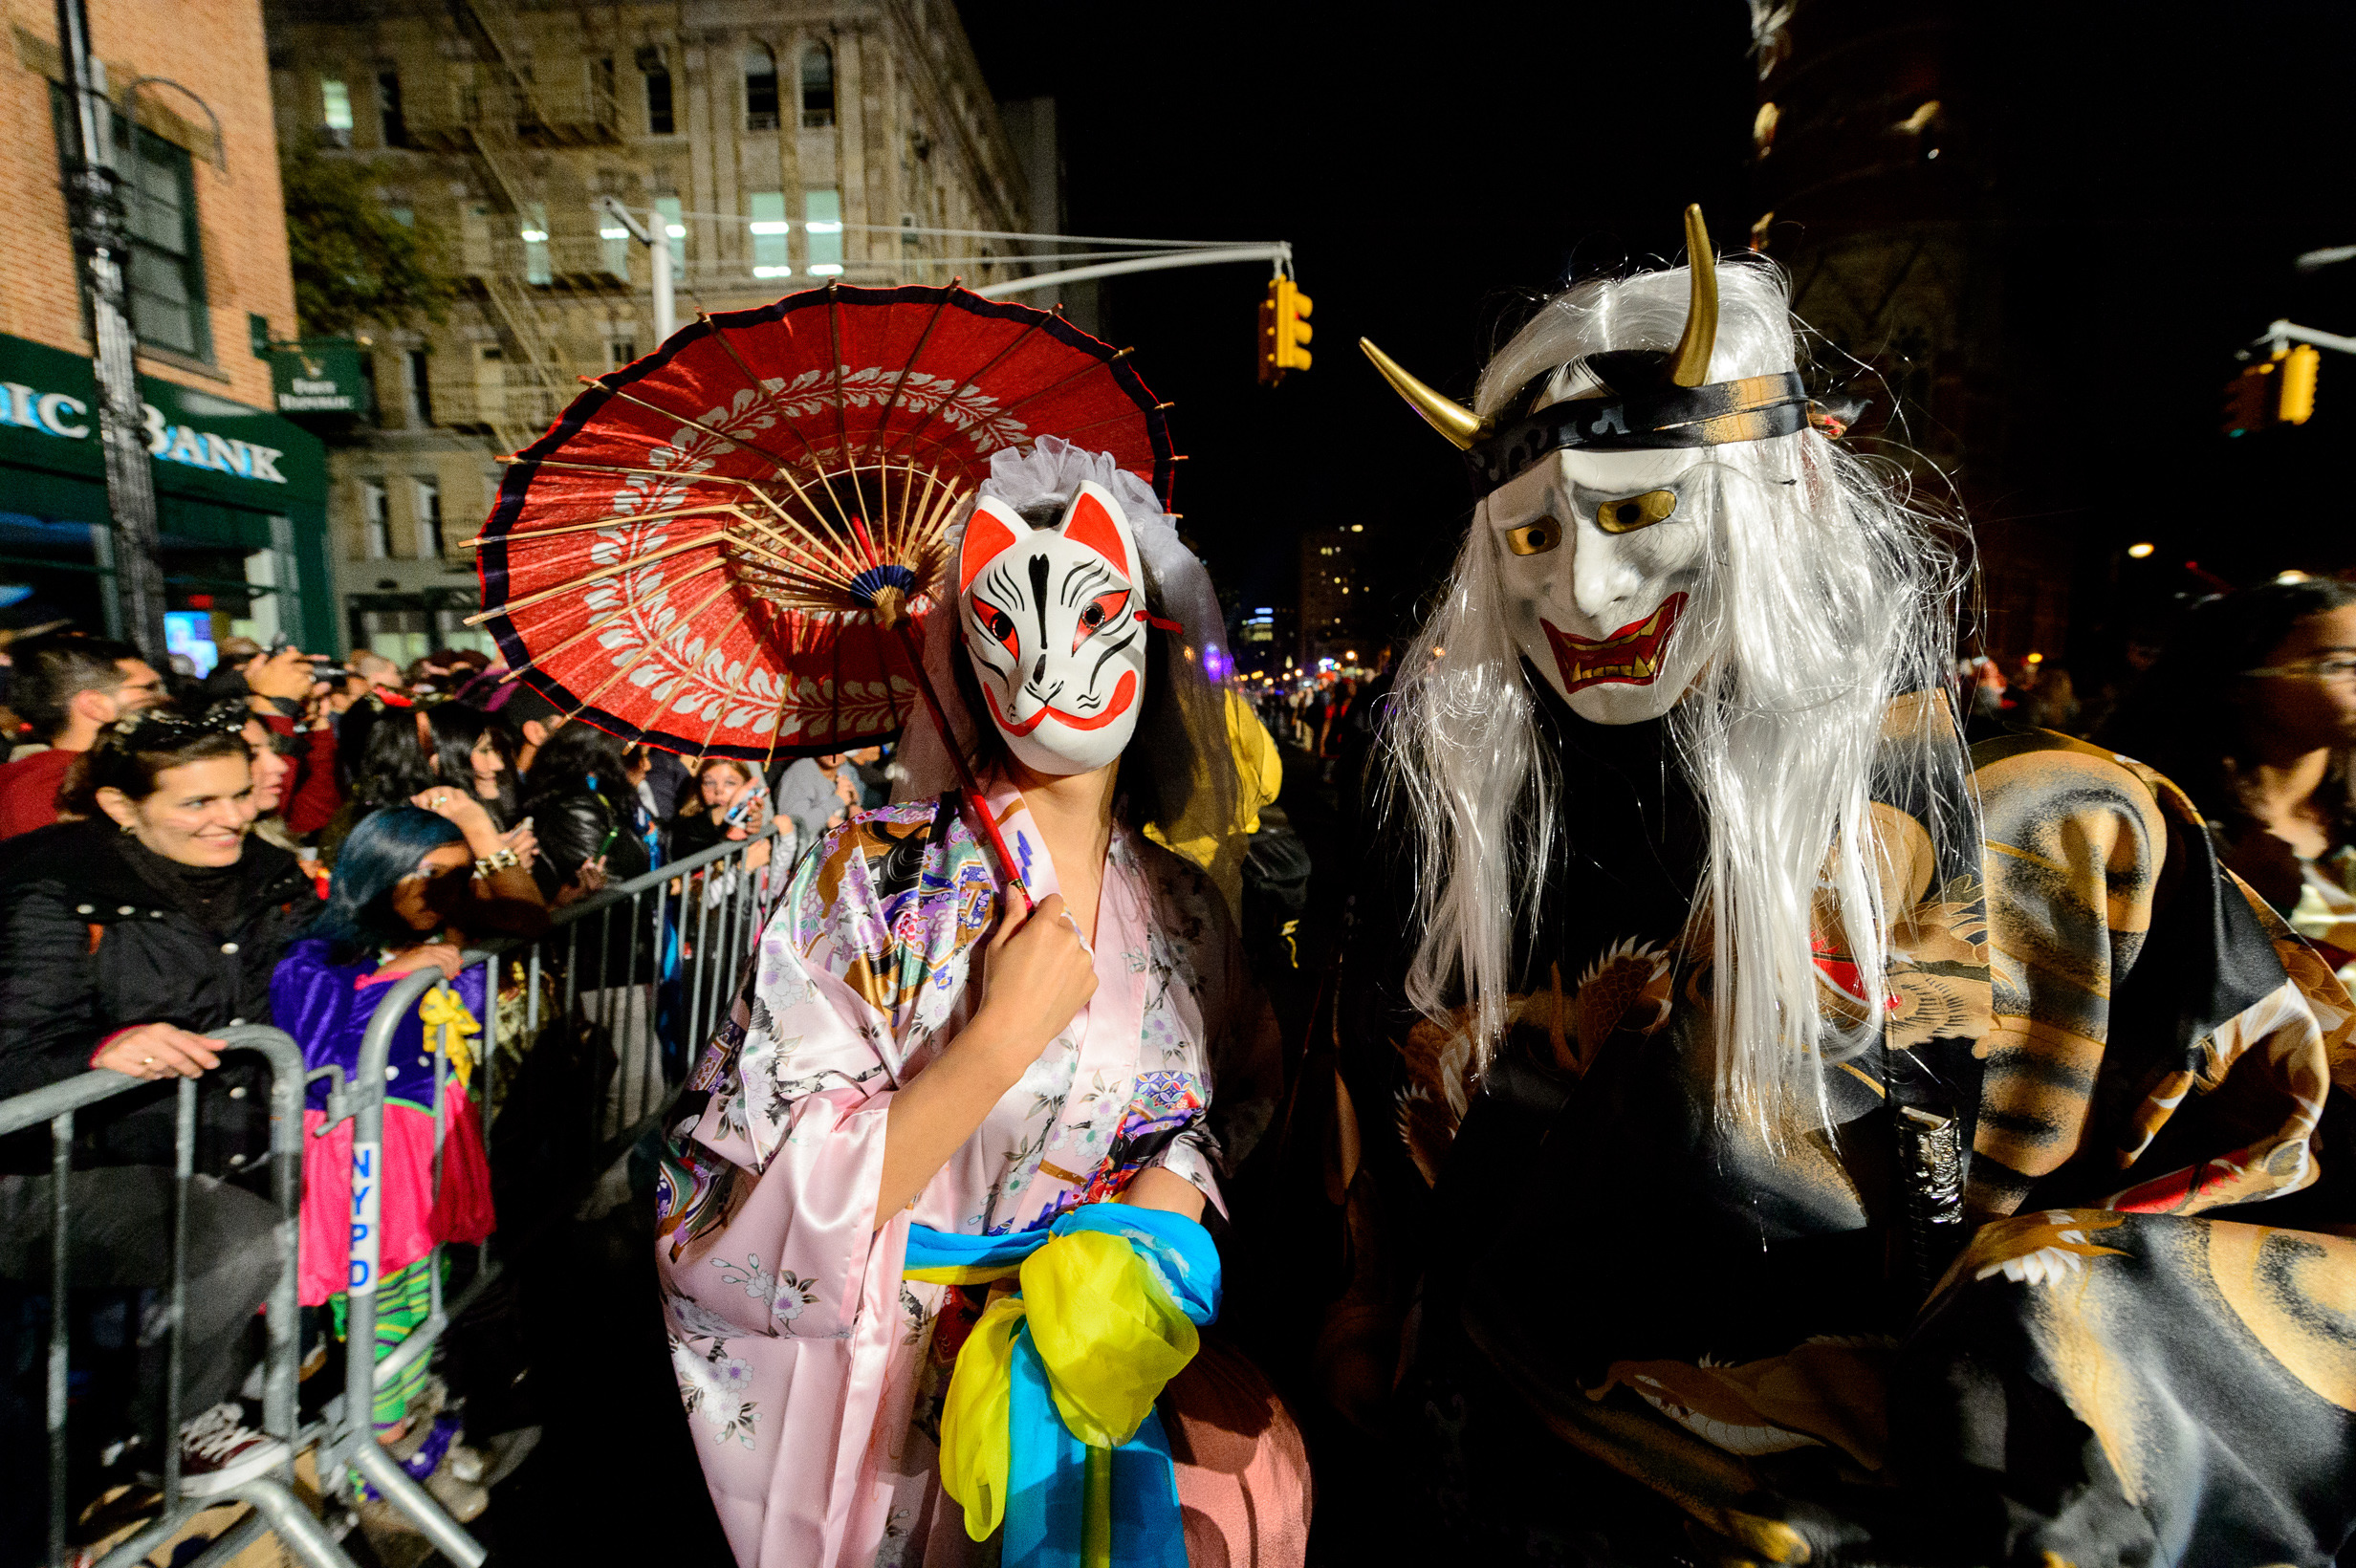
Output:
(581, 806)
(124, 938)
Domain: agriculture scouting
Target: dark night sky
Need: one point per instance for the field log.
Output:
(2150, 184)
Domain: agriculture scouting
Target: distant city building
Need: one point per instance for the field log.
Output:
(1338, 606)
(782, 146)
(1265, 638)
(240, 493)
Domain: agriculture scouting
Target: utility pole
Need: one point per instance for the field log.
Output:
(652, 234)
(95, 211)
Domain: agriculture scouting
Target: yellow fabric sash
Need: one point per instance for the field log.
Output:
(1107, 1333)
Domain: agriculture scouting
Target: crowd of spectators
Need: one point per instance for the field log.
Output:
(266, 846)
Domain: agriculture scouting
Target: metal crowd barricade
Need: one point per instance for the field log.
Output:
(686, 928)
(276, 1506)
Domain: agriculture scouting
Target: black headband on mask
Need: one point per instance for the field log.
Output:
(1659, 416)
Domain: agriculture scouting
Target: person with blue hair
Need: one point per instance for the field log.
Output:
(411, 885)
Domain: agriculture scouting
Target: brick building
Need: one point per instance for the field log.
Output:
(241, 492)
(782, 145)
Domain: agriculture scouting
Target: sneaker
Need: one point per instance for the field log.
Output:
(219, 1452)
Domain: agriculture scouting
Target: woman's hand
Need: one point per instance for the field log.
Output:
(285, 674)
(523, 841)
(461, 808)
(159, 1051)
(590, 878)
(1038, 977)
(441, 955)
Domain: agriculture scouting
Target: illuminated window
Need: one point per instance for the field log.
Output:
(769, 229)
(336, 108)
(536, 243)
(674, 226)
(823, 231)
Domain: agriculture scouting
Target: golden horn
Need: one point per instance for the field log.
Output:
(1690, 365)
(1453, 420)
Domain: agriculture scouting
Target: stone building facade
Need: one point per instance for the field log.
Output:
(782, 145)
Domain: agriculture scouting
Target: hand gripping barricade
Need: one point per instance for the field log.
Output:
(275, 1509)
(646, 969)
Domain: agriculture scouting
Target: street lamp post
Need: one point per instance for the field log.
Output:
(653, 233)
(96, 213)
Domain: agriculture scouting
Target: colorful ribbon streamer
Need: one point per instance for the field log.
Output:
(1049, 1426)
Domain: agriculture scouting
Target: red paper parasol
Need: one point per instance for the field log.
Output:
(718, 550)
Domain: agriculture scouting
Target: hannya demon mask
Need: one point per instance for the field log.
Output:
(1593, 483)
(1055, 622)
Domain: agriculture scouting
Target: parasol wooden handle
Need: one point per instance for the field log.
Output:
(968, 785)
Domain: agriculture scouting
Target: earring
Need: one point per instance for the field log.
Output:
(122, 827)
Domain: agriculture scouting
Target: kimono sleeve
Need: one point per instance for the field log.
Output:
(2161, 1044)
(765, 1205)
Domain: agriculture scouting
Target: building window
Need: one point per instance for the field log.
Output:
(761, 89)
(675, 225)
(167, 266)
(334, 111)
(376, 534)
(817, 87)
(618, 351)
(416, 391)
(535, 232)
(390, 122)
(608, 106)
(614, 243)
(769, 229)
(528, 98)
(429, 501)
(658, 92)
(823, 211)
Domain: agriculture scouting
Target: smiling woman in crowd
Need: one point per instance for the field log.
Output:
(127, 938)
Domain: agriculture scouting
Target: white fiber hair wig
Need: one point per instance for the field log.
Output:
(1821, 598)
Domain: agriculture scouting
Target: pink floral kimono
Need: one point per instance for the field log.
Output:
(812, 1373)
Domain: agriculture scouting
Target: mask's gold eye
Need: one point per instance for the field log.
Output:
(1636, 511)
(1534, 537)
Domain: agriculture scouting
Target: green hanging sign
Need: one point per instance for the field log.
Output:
(320, 376)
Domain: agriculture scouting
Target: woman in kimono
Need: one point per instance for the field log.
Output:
(898, 1074)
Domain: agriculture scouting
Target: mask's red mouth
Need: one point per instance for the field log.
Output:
(1123, 694)
(1630, 656)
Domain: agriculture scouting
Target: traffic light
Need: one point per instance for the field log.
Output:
(2282, 391)
(2297, 398)
(2249, 400)
(1285, 327)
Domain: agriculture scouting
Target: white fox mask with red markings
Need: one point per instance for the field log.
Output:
(1054, 623)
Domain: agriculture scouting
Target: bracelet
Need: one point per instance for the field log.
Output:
(497, 861)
